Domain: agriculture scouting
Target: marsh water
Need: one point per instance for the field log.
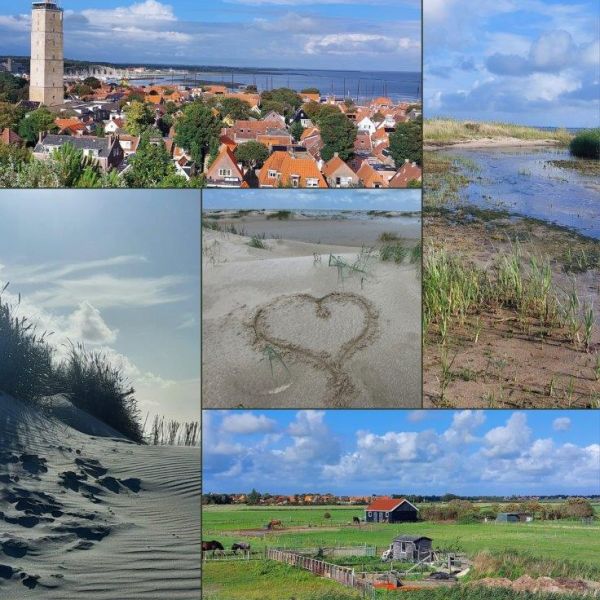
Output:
(524, 182)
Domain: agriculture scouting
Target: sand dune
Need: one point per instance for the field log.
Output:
(338, 343)
(87, 514)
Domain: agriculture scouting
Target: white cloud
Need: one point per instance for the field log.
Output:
(86, 323)
(149, 12)
(464, 423)
(358, 43)
(508, 441)
(247, 423)
(561, 424)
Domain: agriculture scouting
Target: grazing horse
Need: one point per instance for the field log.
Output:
(240, 546)
(212, 545)
(355, 521)
(274, 523)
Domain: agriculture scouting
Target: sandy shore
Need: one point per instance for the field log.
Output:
(498, 142)
(87, 514)
(280, 329)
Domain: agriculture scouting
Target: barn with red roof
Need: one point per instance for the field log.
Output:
(391, 510)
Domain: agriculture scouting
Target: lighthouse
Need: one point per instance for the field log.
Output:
(47, 54)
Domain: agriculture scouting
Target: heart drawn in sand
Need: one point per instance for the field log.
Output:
(323, 332)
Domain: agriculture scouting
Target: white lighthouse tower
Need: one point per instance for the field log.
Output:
(47, 54)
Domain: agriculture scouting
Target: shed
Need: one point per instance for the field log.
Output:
(514, 518)
(391, 510)
(412, 548)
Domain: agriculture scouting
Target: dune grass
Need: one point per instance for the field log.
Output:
(586, 144)
(30, 371)
(256, 242)
(442, 130)
(280, 215)
(164, 432)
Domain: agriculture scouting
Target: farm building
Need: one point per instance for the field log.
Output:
(391, 510)
(412, 548)
(514, 518)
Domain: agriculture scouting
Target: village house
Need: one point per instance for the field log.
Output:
(338, 174)
(10, 138)
(409, 171)
(282, 169)
(391, 510)
(514, 518)
(224, 171)
(302, 118)
(107, 152)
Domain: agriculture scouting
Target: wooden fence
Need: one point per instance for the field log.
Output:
(344, 575)
(220, 555)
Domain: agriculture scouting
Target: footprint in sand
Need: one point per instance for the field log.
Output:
(321, 332)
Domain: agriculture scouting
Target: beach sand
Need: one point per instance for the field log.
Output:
(86, 514)
(281, 329)
(495, 142)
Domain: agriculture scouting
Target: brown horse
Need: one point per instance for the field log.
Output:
(212, 545)
(274, 523)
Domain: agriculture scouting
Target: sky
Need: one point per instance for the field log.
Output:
(119, 271)
(493, 452)
(400, 200)
(532, 62)
(384, 35)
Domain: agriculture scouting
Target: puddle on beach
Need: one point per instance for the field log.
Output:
(524, 182)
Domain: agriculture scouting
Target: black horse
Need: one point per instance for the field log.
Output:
(243, 546)
(355, 521)
(212, 545)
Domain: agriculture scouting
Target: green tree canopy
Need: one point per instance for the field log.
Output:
(150, 165)
(297, 130)
(407, 142)
(139, 117)
(235, 108)
(198, 130)
(36, 122)
(338, 134)
(10, 115)
(287, 100)
(252, 154)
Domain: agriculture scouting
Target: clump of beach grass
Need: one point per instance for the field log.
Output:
(256, 242)
(388, 236)
(393, 253)
(30, 371)
(164, 432)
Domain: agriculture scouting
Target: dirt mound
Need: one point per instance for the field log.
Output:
(547, 585)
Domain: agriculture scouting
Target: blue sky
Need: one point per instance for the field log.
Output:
(384, 35)
(119, 271)
(401, 200)
(402, 452)
(532, 62)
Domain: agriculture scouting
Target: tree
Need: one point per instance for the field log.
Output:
(92, 82)
(297, 130)
(36, 122)
(10, 115)
(139, 117)
(253, 497)
(287, 100)
(338, 134)
(13, 89)
(252, 154)
(235, 108)
(198, 130)
(578, 507)
(82, 90)
(311, 90)
(150, 165)
(407, 142)
(72, 164)
(316, 111)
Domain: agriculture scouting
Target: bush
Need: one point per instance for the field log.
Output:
(586, 144)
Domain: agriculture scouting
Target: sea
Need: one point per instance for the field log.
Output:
(399, 86)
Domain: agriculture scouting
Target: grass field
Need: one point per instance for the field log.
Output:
(554, 548)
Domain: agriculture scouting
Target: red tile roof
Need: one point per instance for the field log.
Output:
(385, 503)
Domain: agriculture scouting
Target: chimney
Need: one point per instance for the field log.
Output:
(406, 160)
(336, 154)
(40, 137)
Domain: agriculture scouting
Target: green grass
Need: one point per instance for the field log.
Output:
(393, 253)
(450, 130)
(586, 144)
(560, 540)
(475, 592)
(388, 236)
